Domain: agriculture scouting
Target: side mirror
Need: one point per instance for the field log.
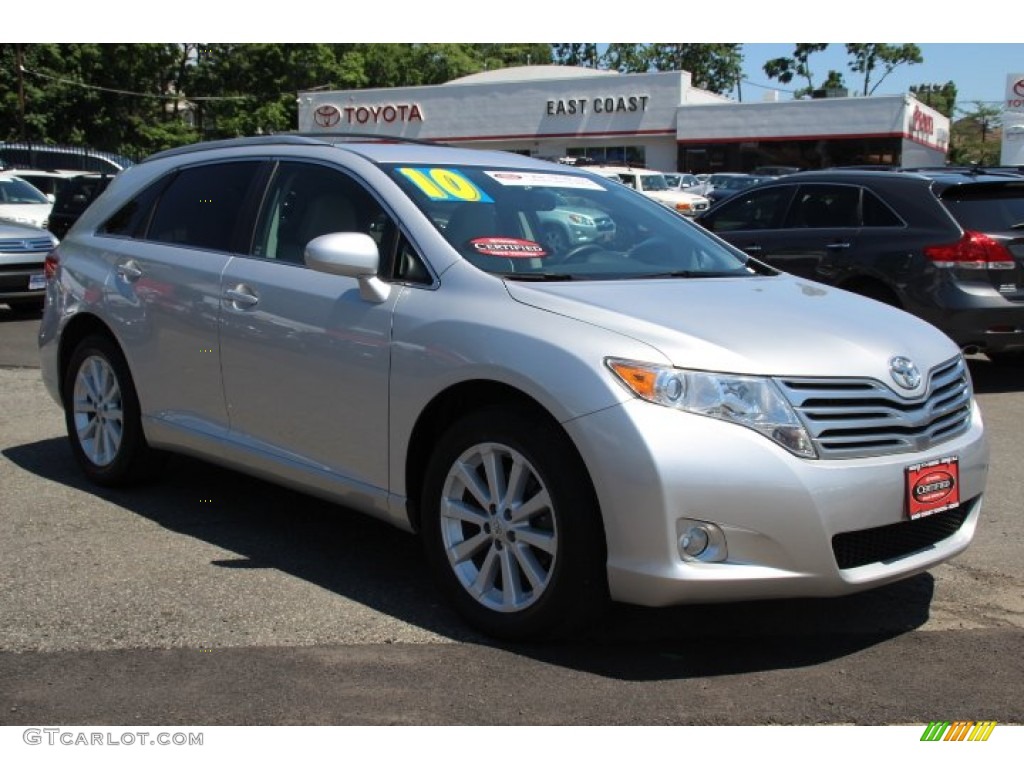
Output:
(349, 254)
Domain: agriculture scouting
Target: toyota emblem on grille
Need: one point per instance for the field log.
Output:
(904, 372)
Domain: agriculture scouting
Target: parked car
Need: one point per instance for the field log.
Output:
(74, 198)
(656, 419)
(686, 182)
(775, 170)
(23, 249)
(724, 185)
(574, 221)
(22, 203)
(47, 182)
(653, 185)
(947, 247)
(48, 157)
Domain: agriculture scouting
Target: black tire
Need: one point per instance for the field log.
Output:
(555, 554)
(102, 415)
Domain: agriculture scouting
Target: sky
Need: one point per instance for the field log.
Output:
(979, 70)
(975, 52)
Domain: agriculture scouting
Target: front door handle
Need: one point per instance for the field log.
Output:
(837, 246)
(241, 296)
(753, 248)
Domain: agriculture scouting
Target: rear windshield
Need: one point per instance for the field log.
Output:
(987, 207)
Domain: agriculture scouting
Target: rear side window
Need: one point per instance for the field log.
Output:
(131, 219)
(987, 207)
(202, 206)
(877, 213)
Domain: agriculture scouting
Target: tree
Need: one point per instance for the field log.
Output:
(627, 57)
(784, 69)
(575, 54)
(969, 140)
(866, 58)
(938, 97)
(715, 67)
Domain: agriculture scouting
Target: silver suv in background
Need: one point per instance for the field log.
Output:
(655, 418)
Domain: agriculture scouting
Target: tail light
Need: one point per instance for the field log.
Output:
(51, 263)
(975, 250)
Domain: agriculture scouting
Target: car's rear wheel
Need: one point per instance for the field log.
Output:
(511, 526)
(101, 411)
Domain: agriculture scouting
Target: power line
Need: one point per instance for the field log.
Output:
(162, 96)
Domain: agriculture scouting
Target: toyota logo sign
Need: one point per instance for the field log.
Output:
(327, 116)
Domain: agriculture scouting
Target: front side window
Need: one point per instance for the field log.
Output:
(307, 200)
(825, 206)
(572, 225)
(202, 206)
(758, 209)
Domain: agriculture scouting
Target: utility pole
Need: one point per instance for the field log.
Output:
(21, 92)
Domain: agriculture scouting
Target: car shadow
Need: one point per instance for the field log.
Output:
(365, 560)
(990, 378)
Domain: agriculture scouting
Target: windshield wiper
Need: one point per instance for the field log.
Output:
(538, 276)
(688, 273)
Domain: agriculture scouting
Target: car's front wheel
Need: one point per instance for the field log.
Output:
(511, 526)
(101, 411)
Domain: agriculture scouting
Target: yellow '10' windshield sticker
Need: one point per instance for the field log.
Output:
(445, 184)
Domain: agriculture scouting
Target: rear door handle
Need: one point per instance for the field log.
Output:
(129, 271)
(241, 296)
(753, 248)
(837, 246)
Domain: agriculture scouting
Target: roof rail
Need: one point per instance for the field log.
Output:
(245, 141)
(368, 137)
(288, 138)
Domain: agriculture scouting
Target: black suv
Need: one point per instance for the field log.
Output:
(947, 246)
(74, 198)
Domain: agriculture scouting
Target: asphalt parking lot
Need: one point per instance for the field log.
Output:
(213, 598)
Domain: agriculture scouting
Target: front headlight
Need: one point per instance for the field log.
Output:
(751, 401)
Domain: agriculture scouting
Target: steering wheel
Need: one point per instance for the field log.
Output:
(652, 247)
(578, 253)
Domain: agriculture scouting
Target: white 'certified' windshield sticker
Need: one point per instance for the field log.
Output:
(527, 179)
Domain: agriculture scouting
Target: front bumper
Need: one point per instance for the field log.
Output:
(652, 467)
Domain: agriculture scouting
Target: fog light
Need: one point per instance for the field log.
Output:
(700, 540)
(694, 541)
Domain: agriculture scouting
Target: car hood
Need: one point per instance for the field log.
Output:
(673, 196)
(778, 326)
(33, 214)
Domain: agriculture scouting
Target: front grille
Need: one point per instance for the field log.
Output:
(889, 542)
(604, 224)
(25, 245)
(851, 418)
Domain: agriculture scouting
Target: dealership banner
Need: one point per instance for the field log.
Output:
(1013, 121)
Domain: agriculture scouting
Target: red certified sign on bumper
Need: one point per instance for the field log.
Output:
(933, 486)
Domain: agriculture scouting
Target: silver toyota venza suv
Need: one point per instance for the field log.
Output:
(651, 417)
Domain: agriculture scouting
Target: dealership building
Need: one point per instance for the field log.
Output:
(654, 119)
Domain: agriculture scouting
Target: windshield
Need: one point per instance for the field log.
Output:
(15, 191)
(528, 224)
(653, 183)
